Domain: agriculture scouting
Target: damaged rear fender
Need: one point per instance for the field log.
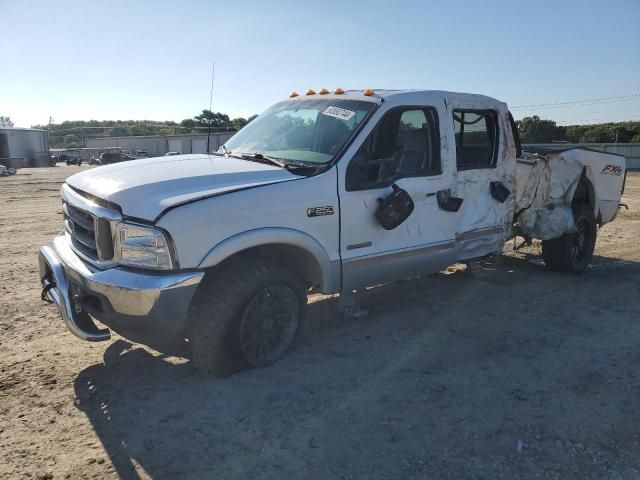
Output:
(545, 201)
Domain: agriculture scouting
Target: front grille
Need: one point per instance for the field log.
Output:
(90, 236)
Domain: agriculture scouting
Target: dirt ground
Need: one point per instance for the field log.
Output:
(515, 372)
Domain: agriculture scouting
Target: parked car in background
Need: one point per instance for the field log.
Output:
(63, 157)
(11, 165)
(73, 160)
(141, 154)
(114, 157)
(6, 171)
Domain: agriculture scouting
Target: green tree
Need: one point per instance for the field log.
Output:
(238, 123)
(71, 141)
(5, 122)
(535, 130)
(217, 119)
(623, 132)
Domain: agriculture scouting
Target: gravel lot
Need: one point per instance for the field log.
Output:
(514, 372)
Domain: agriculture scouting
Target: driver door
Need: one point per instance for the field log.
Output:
(403, 149)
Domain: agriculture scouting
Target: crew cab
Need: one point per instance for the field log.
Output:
(329, 192)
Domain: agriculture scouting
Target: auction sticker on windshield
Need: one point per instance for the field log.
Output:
(338, 112)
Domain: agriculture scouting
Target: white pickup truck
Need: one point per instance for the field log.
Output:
(328, 191)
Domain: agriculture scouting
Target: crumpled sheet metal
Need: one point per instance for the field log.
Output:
(485, 210)
(545, 199)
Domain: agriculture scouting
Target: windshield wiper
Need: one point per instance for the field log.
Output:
(264, 159)
(299, 168)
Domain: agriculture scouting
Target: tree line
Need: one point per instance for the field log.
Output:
(73, 133)
(536, 130)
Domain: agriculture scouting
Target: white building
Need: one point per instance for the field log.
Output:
(158, 145)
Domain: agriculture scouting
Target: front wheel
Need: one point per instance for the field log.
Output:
(248, 315)
(573, 252)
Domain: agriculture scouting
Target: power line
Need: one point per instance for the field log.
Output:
(575, 103)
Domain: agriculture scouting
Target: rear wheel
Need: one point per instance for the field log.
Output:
(249, 315)
(12, 170)
(573, 251)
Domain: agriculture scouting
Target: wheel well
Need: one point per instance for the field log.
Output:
(584, 194)
(296, 259)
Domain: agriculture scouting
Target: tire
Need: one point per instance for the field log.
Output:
(573, 251)
(12, 170)
(228, 316)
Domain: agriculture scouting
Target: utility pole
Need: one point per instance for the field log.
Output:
(213, 74)
(49, 130)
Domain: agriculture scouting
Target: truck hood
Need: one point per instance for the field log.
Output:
(145, 188)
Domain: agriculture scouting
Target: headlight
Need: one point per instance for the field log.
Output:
(140, 246)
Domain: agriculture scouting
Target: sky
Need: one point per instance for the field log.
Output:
(119, 60)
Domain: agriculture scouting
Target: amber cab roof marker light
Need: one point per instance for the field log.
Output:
(293, 94)
(368, 92)
(323, 91)
(311, 91)
(338, 91)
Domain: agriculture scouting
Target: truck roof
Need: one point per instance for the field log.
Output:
(406, 94)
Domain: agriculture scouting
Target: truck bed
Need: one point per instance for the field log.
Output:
(547, 181)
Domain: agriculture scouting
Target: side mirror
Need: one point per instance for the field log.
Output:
(394, 209)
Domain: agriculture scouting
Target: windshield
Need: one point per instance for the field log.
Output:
(309, 131)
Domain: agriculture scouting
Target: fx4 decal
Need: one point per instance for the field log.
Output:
(611, 170)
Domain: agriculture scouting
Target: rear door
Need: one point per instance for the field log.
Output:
(480, 180)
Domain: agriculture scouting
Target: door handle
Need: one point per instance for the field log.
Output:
(447, 202)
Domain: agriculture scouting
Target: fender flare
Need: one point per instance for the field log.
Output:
(329, 271)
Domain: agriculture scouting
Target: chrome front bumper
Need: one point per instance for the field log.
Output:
(125, 300)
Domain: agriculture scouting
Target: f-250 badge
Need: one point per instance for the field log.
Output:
(611, 170)
(319, 211)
